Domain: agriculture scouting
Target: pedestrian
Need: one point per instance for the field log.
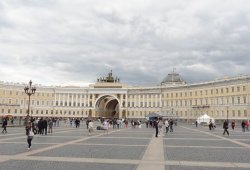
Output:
(90, 126)
(4, 126)
(166, 125)
(243, 124)
(106, 126)
(30, 134)
(233, 124)
(225, 127)
(196, 123)
(156, 127)
(87, 123)
(171, 125)
(160, 126)
(50, 126)
(210, 125)
(247, 125)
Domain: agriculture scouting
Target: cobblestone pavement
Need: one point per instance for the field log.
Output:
(187, 148)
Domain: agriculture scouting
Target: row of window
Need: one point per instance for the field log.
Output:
(145, 104)
(10, 92)
(207, 92)
(69, 112)
(217, 101)
(33, 102)
(233, 113)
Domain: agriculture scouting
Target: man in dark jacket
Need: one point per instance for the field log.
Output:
(156, 127)
(225, 127)
(4, 126)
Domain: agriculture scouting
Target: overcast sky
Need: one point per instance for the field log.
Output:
(73, 42)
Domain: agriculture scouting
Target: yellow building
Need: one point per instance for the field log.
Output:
(108, 97)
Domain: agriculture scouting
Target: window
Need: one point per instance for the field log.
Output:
(239, 114)
(221, 90)
(245, 99)
(244, 88)
(212, 92)
(9, 101)
(238, 100)
(238, 88)
(245, 113)
(232, 89)
(37, 102)
(15, 110)
(227, 90)
(190, 93)
(232, 100)
(2, 110)
(217, 91)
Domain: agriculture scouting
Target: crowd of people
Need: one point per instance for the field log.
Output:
(42, 126)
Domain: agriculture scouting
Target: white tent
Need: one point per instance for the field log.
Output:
(205, 119)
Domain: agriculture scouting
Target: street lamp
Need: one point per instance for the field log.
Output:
(29, 91)
(227, 113)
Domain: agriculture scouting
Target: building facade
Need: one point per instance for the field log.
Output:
(108, 97)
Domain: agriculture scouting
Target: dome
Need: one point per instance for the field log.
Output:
(172, 79)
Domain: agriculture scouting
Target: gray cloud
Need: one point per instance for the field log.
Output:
(74, 42)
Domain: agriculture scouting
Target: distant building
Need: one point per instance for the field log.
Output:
(108, 97)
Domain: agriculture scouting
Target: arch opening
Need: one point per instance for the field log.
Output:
(107, 106)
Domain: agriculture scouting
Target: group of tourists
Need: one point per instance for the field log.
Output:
(244, 126)
(159, 124)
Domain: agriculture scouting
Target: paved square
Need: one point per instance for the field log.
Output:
(187, 148)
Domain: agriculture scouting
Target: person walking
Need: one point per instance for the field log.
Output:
(90, 127)
(156, 122)
(166, 125)
(171, 125)
(106, 126)
(196, 123)
(4, 126)
(30, 134)
(247, 125)
(243, 124)
(50, 123)
(233, 124)
(225, 127)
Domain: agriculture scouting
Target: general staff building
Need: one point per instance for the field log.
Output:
(108, 97)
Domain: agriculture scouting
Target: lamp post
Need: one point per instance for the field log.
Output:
(29, 90)
(227, 113)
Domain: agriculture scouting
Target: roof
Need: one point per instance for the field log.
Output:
(173, 78)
